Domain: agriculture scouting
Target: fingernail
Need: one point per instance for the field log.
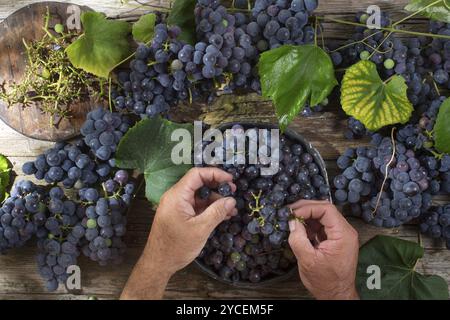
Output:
(230, 203)
(292, 225)
(235, 212)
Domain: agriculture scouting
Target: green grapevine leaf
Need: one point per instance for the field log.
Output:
(370, 100)
(102, 46)
(293, 76)
(182, 15)
(442, 128)
(5, 171)
(439, 11)
(396, 259)
(144, 28)
(147, 147)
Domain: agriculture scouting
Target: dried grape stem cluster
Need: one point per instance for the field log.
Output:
(49, 79)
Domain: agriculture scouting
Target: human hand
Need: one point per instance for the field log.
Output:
(180, 229)
(326, 248)
(183, 222)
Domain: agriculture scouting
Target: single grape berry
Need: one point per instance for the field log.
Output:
(389, 64)
(204, 193)
(59, 28)
(225, 190)
(364, 55)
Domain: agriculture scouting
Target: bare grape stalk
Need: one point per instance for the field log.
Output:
(50, 79)
(386, 171)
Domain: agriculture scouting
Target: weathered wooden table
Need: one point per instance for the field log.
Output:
(18, 272)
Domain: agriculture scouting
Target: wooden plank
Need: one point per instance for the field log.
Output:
(116, 7)
(13, 144)
(112, 8)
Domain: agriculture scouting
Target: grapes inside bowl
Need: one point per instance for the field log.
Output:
(252, 247)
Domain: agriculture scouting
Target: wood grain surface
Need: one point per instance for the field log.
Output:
(18, 275)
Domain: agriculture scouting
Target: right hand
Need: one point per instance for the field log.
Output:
(183, 222)
(326, 248)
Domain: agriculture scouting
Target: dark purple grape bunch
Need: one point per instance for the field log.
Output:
(69, 164)
(94, 225)
(120, 186)
(85, 162)
(59, 238)
(21, 215)
(385, 191)
(102, 132)
(105, 219)
(377, 47)
(436, 224)
(444, 177)
(159, 75)
(355, 129)
(416, 135)
(66, 163)
(226, 49)
(282, 22)
(437, 54)
(225, 56)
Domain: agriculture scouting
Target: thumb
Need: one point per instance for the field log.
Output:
(217, 212)
(299, 242)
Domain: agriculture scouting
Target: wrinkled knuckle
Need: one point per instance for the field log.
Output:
(292, 243)
(194, 171)
(220, 211)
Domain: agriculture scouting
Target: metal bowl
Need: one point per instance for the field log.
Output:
(294, 136)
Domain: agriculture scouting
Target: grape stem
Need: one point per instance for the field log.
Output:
(190, 95)
(403, 20)
(130, 56)
(315, 31)
(417, 12)
(386, 171)
(435, 154)
(356, 24)
(292, 216)
(389, 79)
(109, 94)
(436, 87)
(355, 42)
(257, 208)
